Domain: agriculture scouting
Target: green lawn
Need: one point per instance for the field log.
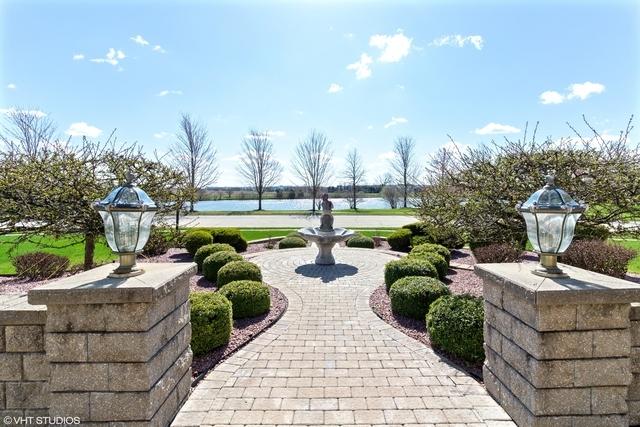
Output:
(67, 246)
(399, 211)
(634, 265)
(72, 248)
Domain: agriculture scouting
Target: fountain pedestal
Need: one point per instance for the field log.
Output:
(325, 241)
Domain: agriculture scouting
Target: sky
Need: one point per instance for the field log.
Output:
(364, 73)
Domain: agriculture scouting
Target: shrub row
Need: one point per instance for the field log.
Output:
(214, 262)
(195, 239)
(360, 241)
(419, 233)
(599, 256)
(40, 265)
(497, 252)
(411, 296)
(292, 242)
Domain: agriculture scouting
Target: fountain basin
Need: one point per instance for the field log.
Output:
(325, 240)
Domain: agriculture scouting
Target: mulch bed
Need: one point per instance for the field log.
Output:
(244, 330)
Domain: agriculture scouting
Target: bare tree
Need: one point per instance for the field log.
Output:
(26, 131)
(258, 166)
(311, 162)
(354, 172)
(403, 165)
(194, 154)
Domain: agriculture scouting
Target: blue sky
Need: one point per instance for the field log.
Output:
(362, 72)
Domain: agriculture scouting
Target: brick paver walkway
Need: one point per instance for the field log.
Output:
(331, 361)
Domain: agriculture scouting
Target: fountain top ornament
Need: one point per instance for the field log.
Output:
(325, 236)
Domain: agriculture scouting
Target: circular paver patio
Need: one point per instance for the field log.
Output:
(331, 361)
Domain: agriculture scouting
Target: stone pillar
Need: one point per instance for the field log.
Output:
(633, 398)
(24, 371)
(118, 349)
(557, 350)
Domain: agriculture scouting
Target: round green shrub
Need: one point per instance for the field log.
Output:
(411, 296)
(248, 298)
(419, 228)
(214, 262)
(207, 250)
(438, 261)
(211, 321)
(238, 270)
(432, 247)
(420, 240)
(400, 240)
(194, 240)
(405, 267)
(360, 241)
(292, 242)
(293, 234)
(231, 236)
(454, 323)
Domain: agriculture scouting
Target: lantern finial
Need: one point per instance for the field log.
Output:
(130, 177)
(550, 180)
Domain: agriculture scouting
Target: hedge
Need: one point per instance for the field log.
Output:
(360, 241)
(247, 297)
(411, 296)
(207, 250)
(194, 240)
(405, 267)
(432, 247)
(231, 236)
(40, 265)
(438, 261)
(455, 323)
(238, 270)
(400, 240)
(214, 262)
(292, 242)
(211, 321)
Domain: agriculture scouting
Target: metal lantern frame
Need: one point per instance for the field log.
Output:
(119, 201)
(542, 203)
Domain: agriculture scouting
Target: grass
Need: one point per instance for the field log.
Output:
(73, 248)
(398, 211)
(69, 246)
(634, 264)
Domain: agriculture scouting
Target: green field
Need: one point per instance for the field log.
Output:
(634, 264)
(70, 246)
(398, 211)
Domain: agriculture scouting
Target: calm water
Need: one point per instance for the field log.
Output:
(280, 205)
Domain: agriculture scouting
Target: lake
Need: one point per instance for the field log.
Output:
(283, 204)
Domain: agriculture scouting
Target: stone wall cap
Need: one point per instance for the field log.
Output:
(94, 287)
(16, 310)
(582, 286)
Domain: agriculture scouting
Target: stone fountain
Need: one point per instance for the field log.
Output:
(325, 236)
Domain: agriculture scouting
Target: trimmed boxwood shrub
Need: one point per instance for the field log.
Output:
(293, 234)
(231, 236)
(360, 241)
(411, 296)
(214, 262)
(438, 261)
(292, 242)
(40, 265)
(238, 270)
(405, 267)
(211, 321)
(194, 240)
(454, 323)
(248, 298)
(599, 256)
(432, 247)
(400, 240)
(497, 252)
(420, 240)
(207, 250)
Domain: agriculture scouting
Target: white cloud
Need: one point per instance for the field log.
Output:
(457, 40)
(394, 47)
(551, 97)
(576, 90)
(169, 92)
(369, 127)
(348, 35)
(78, 56)
(11, 86)
(83, 129)
(388, 155)
(11, 110)
(139, 40)
(335, 88)
(584, 90)
(112, 57)
(496, 128)
(396, 121)
(362, 67)
(401, 87)
(159, 49)
(161, 135)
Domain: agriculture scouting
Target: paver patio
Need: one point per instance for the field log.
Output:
(331, 361)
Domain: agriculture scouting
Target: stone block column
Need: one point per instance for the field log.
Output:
(558, 350)
(118, 349)
(24, 371)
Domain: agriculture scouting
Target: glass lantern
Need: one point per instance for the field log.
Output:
(127, 213)
(551, 216)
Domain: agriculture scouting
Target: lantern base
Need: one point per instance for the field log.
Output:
(549, 267)
(127, 267)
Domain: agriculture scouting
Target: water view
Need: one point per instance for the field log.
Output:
(280, 204)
